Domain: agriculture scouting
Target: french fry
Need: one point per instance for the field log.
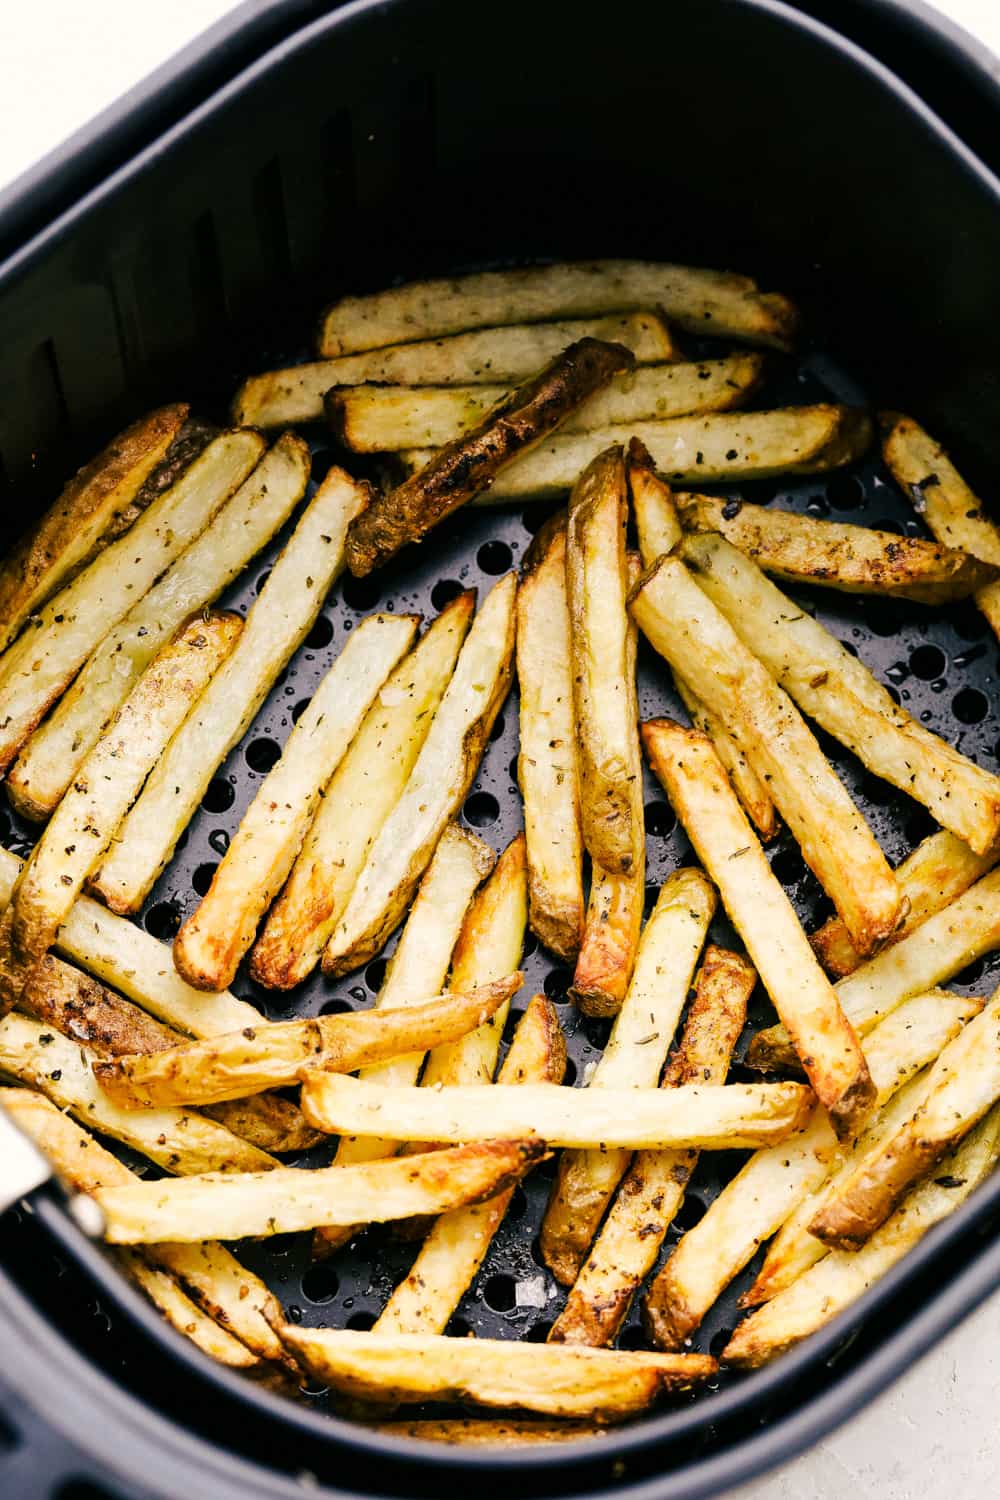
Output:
(181, 1313)
(715, 302)
(469, 465)
(381, 418)
(456, 1243)
(91, 509)
(244, 524)
(365, 787)
(687, 627)
(212, 942)
(853, 559)
(441, 776)
(935, 952)
(547, 765)
(653, 1189)
(633, 1059)
(840, 1278)
(482, 357)
(468, 1432)
(713, 448)
(294, 1198)
(601, 1385)
(656, 519)
(749, 786)
(693, 778)
(837, 690)
(938, 870)
(271, 1055)
(106, 785)
(278, 623)
(610, 940)
(37, 669)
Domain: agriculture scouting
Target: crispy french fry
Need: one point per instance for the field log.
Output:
(687, 627)
(653, 1189)
(656, 518)
(547, 766)
(277, 625)
(840, 1278)
(749, 786)
(633, 1059)
(91, 508)
(441, 776)
(610, 940)
(293, 1198)
(717, 302)
(365, 787)
(271, 1055)
(469, 465)
(470, 1432)
(938, 870)
(181, 1313)
(37, 669)
(457, 1242)
(245, 523)
(839, 692)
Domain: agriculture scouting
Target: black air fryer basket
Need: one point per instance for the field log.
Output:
(301, 150)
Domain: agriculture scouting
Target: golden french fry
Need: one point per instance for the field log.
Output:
(610, 940)
(181, 1313)
(468, 1432)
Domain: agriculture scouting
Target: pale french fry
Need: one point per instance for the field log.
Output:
(837, 690)
(687, 627)
(37, 669)
(278, 623)
(181, 1313)
(695, 782)
(365, 787)
(840, 1278)
(456, 1243)
(448, 760)
(293, 1198)
(653, 1189)
(656, 519)
(713, 302)
(92, 507)
(938, 870)
(105, 786)
(715, 448)
(272, 1054)
(853, 559)
(469, 465)
(633, 1059)
(482, 357)
(470, 1432)
(245, 523)
(547, 765)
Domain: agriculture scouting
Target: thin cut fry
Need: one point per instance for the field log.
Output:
(470, 1432)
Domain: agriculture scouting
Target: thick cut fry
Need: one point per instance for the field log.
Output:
(763, 916)
(547, 766)
(178, 1140)
(653, 1190)
(469, 465)
(271, 1055)
(707, 302)
(686, 627)
(853, 559)
(633, 1059)
(457, 1242)
(36, 670)
(468, 1432)
(837, 690)
(656, 519)
(718, 447)
(105, 787)
(938, 950)
(484, 357)
(939, 869)
(448, 760)
(365, 787)
(842, 1277)
(279, 622)
(92, 508)
(610, 940)
(247, 522)
(181, 1313)
(603, 1385)
(381, 418)
(292, 1198)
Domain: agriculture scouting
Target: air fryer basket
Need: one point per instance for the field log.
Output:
(389, 140)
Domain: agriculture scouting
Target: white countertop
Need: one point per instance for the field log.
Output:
(936, 1432)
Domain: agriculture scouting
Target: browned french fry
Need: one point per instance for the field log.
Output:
(181, 1313)
(749, 786)
(468, 1432)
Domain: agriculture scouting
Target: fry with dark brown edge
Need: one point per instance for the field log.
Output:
(469, 465)
(470, 1432)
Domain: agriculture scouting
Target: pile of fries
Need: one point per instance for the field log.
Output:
(873, 1108)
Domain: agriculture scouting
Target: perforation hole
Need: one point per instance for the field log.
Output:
(361, 1322)
(202, 878)
(219, 795)
(927, 662)
(338, 1006)
(362, 594)
(163, 920)
(500, 1293)
(494, 557)
(690, 1213)
(321, 635)
(320, 1284)
(481, 809)
(845, 492)
(218, 840)
(970, 706)
(556, 983)
(261, 755)
(375, 974)
(444, 591)
(661, 820)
